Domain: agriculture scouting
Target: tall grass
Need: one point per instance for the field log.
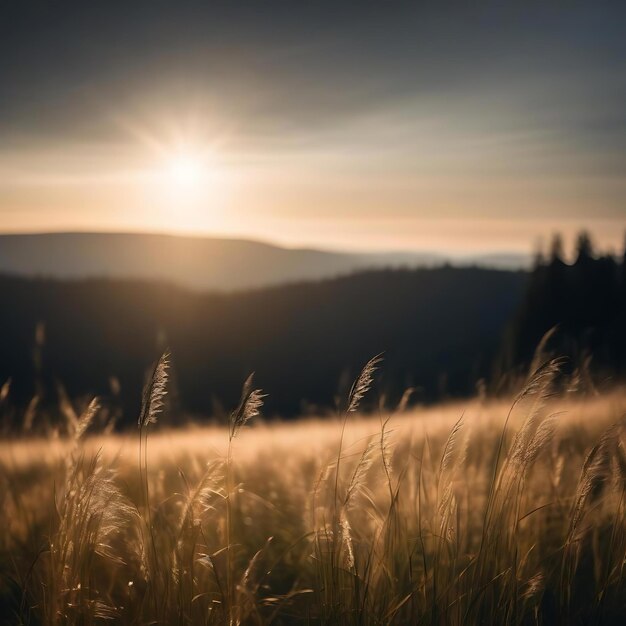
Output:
(481, 517)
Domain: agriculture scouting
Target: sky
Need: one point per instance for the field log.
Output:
(342, 125)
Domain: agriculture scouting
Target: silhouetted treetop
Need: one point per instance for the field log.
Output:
(556, 248)
(584, 247)
(586, 300)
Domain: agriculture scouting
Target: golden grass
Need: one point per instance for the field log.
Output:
(426, 518)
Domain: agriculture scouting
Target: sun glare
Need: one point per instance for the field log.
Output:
(185, 188)
(185, 171)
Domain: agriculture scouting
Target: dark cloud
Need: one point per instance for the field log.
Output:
(288, 66)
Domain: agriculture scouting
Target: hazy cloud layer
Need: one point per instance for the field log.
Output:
(360, 107)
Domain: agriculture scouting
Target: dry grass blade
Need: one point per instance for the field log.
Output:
(448, 452)
(540, 351)
(207, 489)
(363, 383)
(621, 463)
(539, 388)
(29, 415)
(154, 392)
(249, 407)
(360, 471)
(404, 400)
(596, 471)
(542, 437)
(84, 421)
(386, 448)
(346, 538)
(534, 586)
(542, 378)
(4, 390)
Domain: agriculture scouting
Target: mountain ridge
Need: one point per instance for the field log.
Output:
(202, 263)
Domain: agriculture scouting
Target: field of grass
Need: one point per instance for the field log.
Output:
(478, 512)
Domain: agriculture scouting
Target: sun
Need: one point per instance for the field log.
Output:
(185, 180)
(185, 170)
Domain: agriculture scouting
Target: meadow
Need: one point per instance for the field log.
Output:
(487, 511)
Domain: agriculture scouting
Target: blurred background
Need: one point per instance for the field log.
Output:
(292, 189)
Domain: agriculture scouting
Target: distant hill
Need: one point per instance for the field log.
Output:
(199, 263)
(440, 329)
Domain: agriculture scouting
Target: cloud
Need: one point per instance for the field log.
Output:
(409, 109)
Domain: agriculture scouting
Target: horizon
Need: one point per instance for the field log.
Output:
(438, 255)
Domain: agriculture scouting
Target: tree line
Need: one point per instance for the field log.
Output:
(583, 306)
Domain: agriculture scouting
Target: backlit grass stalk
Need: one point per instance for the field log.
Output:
(249, 407)
(152, 405)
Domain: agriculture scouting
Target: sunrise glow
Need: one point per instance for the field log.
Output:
(185, 171)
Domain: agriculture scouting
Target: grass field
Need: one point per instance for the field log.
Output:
(478, 512)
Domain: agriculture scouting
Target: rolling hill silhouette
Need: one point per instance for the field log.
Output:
(439, 328)
(199, 263)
